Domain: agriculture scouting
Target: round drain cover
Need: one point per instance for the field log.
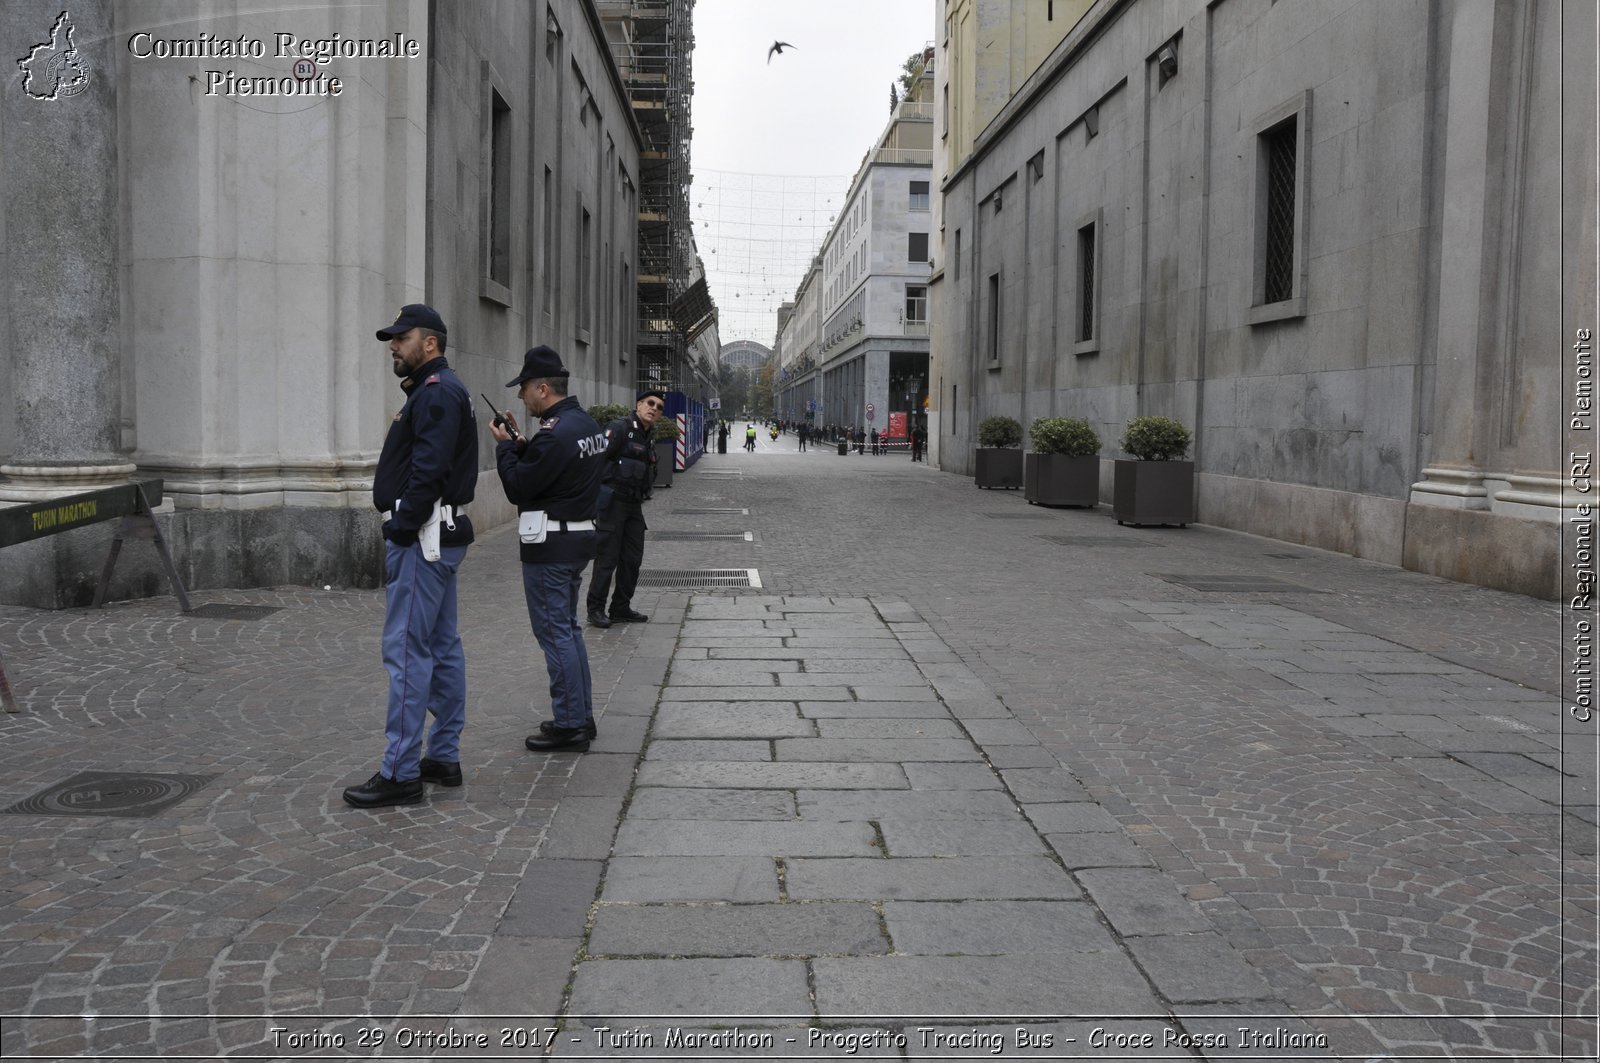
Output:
(109, 793)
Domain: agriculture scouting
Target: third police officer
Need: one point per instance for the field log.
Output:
(630, 470)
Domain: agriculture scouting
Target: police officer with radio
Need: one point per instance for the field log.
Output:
(553, 478)
(427, 472)
(630, 470)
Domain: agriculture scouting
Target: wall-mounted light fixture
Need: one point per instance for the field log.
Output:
(1167, 63)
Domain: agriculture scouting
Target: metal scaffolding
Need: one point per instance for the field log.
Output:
(651, 41)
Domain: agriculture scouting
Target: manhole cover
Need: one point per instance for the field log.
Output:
(1093, 540)
(220, 611)
(732, 511)
(1019, 516)
(696, 536)
(1245, 584)
(702, 577)
(110, 793)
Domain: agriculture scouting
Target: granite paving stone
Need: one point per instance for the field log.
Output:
(1198, 967)
(917, 878)
(690, 878)
(657, 802)
(771, 930)
(960, 837)
(1142, 902)
(994, 928)
(887, 728)
(696, 750)
(1062, 983)
(716, 991)
(745, 838)
(869, 803)
(878, 750)
(740, 775)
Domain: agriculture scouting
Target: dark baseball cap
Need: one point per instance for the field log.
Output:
(414, 315)
(538, 363)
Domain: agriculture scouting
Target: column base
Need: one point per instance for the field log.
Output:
(38, 483)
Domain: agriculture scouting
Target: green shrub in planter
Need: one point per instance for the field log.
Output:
(1156, 439)
(1071, 436)
(606, 412)
(666, 428)
(999, 432)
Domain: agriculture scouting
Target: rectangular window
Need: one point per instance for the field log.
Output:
(955, 259)
(1086, 283)
(919, 195)
(585, 271)
(916, 247)
(1281, 203)
(1278, 148)
(916, 303)
(498, 266)
(953, 408)
(549, 244)
(994, 319)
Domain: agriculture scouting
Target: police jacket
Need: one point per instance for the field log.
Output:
(430, 454)
(630, 459)
(556, 470)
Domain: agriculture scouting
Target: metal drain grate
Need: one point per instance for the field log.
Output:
(222, 611)
(731, 511)
(1019, 516)
(701, 577)
(1246, 584)
(701, 536)
(110, 793)
(1093, 540)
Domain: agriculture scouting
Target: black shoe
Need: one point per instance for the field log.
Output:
(381, 791)
(598, 619)
(620, 615)
(559, 740)
(546, 726)
(443, 772)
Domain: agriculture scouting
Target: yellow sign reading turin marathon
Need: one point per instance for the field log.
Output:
(60, 516)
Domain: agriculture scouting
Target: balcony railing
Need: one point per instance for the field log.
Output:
(915, 110)
(924, 156)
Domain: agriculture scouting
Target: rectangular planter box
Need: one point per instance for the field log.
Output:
(1153, 492)
(666, 459)
(1059, 480)
(998, 467)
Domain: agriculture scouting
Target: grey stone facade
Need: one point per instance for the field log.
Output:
(1395, 390)
(256, 242)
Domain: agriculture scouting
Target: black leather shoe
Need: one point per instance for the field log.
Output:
(443, 772)
(598, 619)
(628, 614)
(559, 740)
(546, 726)
(381, 791)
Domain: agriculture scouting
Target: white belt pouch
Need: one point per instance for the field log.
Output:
(532, 526)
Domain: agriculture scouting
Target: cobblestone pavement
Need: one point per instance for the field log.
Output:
(961, 775)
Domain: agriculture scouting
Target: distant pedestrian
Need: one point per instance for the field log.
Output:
(917, 438)
(750, 437)
(801, 432)
(630, 469)
(875, 450)
(426, 473)
(722, 437)
(553, 478)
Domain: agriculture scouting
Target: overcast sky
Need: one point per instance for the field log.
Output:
(775, 145)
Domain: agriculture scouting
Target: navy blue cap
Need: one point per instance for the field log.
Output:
(662, 395)
(414, 315)
(538, 363)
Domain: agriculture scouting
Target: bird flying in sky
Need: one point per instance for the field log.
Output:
(777, 49)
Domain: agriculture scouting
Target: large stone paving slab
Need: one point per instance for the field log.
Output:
(960, 837)
(994, 928)
(888, 804)
(738, 720)
(772, 930)
(876, 750)
(737, 775)
(714, 991)
(690, 878)
(1064, 983)
(671, 803)
(931, 879)
(742, 838)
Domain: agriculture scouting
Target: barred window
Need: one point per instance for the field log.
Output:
(1086, 237)
(1278, 146)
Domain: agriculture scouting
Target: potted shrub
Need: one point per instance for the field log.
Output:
(606, 412)
(666, 436)
(1064, 467)
(999, 454)
(1155, 486)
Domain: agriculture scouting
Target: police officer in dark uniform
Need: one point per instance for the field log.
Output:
(630, 470)
(553, 478)
(426, 473)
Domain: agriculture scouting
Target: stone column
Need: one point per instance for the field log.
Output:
(59, 176)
